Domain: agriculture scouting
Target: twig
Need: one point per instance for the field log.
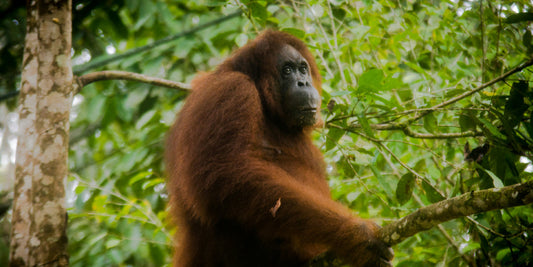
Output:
(407, 131)
(405, 125)
(409, 169)
(514, 70)
(98, 62)
(467, 258)
(130, 76)
(331, 48)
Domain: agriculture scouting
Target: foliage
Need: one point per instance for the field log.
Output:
(386, 65)
(12, 29)
(119, 206)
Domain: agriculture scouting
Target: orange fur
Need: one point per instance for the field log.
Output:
(246, 189)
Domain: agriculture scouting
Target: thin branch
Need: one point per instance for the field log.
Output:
(130, 76)
(148, 213)
(514, 70)
(405, 125)
(460, 206)
(399, 114)
(467, 258)
(331, 48)
(407, 131)
(104, 60)
(411, 170)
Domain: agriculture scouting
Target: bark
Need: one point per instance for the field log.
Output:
(463, 205)
(38, 236)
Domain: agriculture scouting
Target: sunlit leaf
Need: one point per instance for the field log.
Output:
(295, 31)
(495, 179)
(112, 242)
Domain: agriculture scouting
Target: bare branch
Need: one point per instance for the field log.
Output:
(460, 206)
(130, 76)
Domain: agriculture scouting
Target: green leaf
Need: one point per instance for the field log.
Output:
(145, 118)
(338, 13)
(495, 179)
(140, 176)
(99, 203)
(432, 195)
(146, 15)
(96, 107)
(153, 183)
(502, 254)
(370, 81)
(340, 93)
(129, 160)
(529, 126)
(404, 189)
(352, 196)
(241, 39)
(135, 97)
(492, 129)
(430, 122)
(466, 122)
(79, 189)
(333, 136)
(345, 168)
(366, 126)
(519, 17)
(215, 3)
(112, 242)
(259, 11)
(385, 184)
(526, 40)
(294, 31)
(470, 247)
(515, 106)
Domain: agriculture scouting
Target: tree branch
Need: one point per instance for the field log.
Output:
(104, 60)
(130, 76)
(460, 206)
(512, 71)
(405, 125)
(407, 131)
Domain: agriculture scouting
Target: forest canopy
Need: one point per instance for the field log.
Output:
(422, 101)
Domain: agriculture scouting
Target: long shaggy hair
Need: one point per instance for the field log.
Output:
(245, 189)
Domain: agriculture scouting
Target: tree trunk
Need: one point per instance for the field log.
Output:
(38, 235)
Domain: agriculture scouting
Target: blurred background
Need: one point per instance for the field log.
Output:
(390, 149)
